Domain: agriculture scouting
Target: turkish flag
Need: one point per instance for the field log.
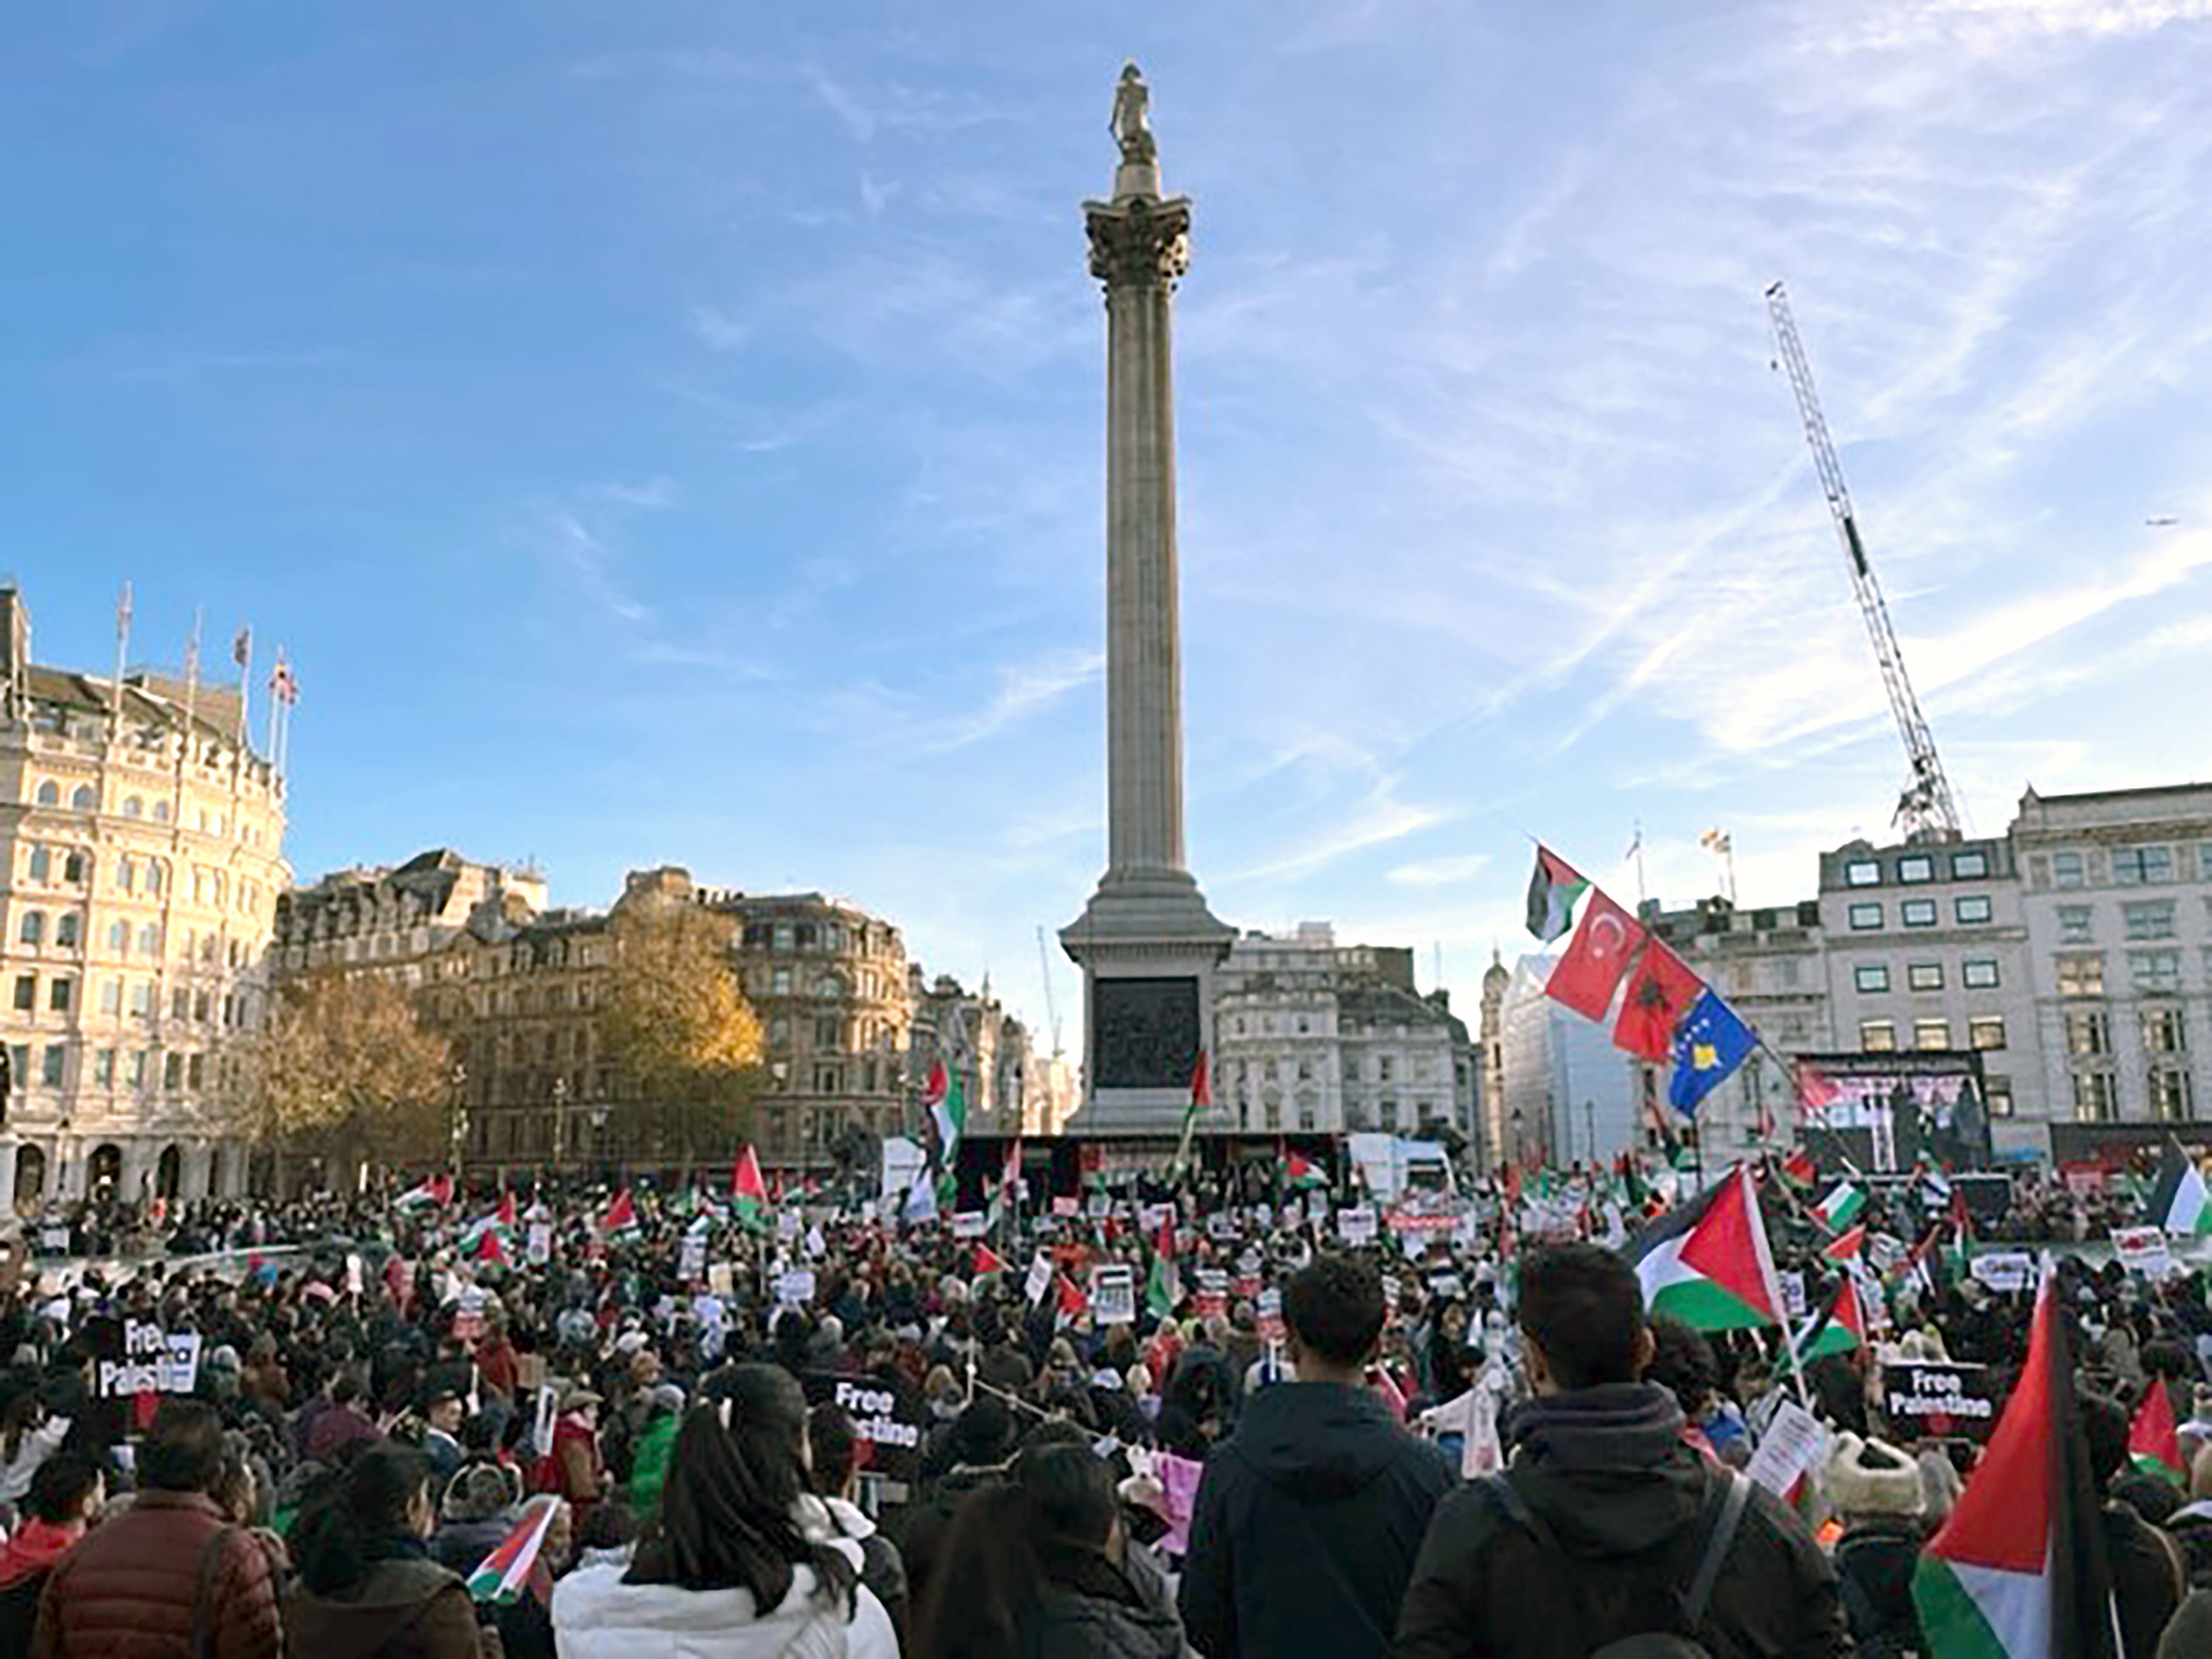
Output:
(1587, 975)
(1660, 992)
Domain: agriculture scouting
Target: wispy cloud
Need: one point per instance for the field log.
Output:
(1025, 690)
(1440, 872)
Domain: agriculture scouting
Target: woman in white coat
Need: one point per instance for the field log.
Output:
(728, 1571)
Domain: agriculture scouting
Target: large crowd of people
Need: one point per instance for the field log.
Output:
(1133, 1422)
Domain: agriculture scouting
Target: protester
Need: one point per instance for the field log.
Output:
(1875, 1491)
(167, 1570)
(1040, 1566)
(727, 1569)
(65, 1498)
(1311, 1514)
(1605, 1512)
(833, 1468)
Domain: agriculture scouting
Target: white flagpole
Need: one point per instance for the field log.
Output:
(122, 651)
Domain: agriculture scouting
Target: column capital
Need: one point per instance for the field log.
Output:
(1136, 242)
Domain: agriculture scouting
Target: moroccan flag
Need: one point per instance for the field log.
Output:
(747, 1186)
(1164, 1282)
(1660, 994)
(2018, 1571)
(1840, 1208)
(2179, 1201)
(1586, 976)
(1708, 1264)
(1841, 1327)
(2152, 1446)
(504, 1574)
(620, 1220)
(1799, 1168)
(1553, 891)
(1846, 1247)
(1710, 1042)
(988, 1261)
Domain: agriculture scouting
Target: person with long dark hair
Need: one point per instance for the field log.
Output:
(1039, 1566)
(367, 1585)
(727, 1569)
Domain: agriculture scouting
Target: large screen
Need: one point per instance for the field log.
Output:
(1888, 1111)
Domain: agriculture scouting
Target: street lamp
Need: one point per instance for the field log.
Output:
(458, 1117)
(561, 1147)
(1520, 1145)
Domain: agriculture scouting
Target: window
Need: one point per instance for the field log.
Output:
(1916, 869)
(2154, 970)
(126, 873)
(780, 982)
(172, 1070)
(150, 939)
(27, 993)
(1862, 873)
(1877, 1036)
(196, 1071)
(1865, 917)
(1387, 1111)
(1970, 867)
(783, 936)
(154, 869)
(76, 868)
(111, 996)
(118, 938)
(2074, 923)
(1931, 1033)
(103, 1067)
(2066, 870)
(140, 1060)
(1918, 912)
(50, 1064)
(134, 807)
(42, 864)
(33, 928)
(2165, 1031)
(1384, 1068)
(65, 931)
(2089, 1032)
(82, 798)
(1998, 1090)
(2142, 866)
(826, 1031)
(826, 1080)
(1925, 976)
(50, 794)
(142, 999)
(160, 812)
(60, 994)
(2149, 919)
(2096, 1097)
(1971, 908)
(2170, 1097)
(1978, 974)
(2082, 975)
(180, 1002)
(200, 1007)
(1985, 1031)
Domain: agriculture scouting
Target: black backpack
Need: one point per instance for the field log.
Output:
(1722, 1515)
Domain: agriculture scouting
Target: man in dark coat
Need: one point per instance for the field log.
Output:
(1621, 1508)
(1309, 1515)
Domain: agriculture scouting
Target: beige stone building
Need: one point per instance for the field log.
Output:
(143, 841)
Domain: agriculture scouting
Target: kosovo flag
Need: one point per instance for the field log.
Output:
(1710, 1044)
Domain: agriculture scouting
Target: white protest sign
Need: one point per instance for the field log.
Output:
(354, 1274)
(1156, 1216)
(1114, 1296)
(538, 1250)
(1271, 1314)
(1101, 1206)
(817, 1245)
(970, 1223)
(1885, 1251)
(692, 1263)
(1793, 1294)
(721, 1279)
(786, 1224)
(1212, 1293)
(1794, 1443)
(1264, 1215)
(1040, 1278)
(1357, 1226)
(796, 1289)
(2006, 1270)
(2144, 1250)
(541, 1428)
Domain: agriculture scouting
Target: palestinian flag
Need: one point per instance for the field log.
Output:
(947, 1104)
(1553, 891)
(620, 1220)
(435, 1193)
(1201, 1100)
(1010, 1182)
(2018, 1572)
(1070, 1298)
(2179, 1201)
(1799, 1168)
(747, 1188)
(988, 1261)
(1164, 1281)
(1841, 1327)
(2152, 1446)
(1708, 1264)
(514, 1566)
(1300, 1173)
(1846, 1247)
(1840, 1208)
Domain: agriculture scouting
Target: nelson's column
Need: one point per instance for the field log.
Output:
(1147, 945)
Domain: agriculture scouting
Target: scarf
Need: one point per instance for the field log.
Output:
(36, 1546)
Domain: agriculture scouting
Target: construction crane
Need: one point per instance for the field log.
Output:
(1051, 1002)
(1926, 811)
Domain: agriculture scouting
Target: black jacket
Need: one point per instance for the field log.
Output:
(1308, 1521)
(1090, 1608)
(1606, 1472)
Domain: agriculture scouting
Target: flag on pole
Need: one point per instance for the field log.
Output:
(620, 1220)
(1300, 1172)
(1009, 1176)
(988, 1261)
(1840, 1208)
(1799, 1168)
(241, 647)
(2019, 1569)
(747, 1186)
(1589, 971)
(1708, 1264)
(1553, 891)
(1660, 992)
(2154, 1445)
(507, 1213)
(1841, 1327)
(1201, 1100)
(2179, 1201)
(1163, 1281)
(1847, 1247)
(504, 1574)
(1710, 1044)
(435, 1193)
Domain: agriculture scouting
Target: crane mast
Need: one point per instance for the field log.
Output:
(1926, 811)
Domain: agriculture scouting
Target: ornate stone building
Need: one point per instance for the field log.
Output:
(143, 841)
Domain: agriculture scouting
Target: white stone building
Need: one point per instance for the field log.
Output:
(142, 839)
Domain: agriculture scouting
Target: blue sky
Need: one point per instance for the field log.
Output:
(673, 431)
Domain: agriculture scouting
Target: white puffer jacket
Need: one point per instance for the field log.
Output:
(597, 1616)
